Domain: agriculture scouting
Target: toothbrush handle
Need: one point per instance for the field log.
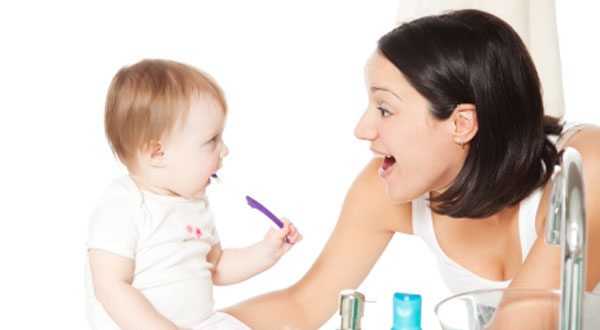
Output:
(256, 205)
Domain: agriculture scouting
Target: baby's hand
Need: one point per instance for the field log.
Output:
(275, 239)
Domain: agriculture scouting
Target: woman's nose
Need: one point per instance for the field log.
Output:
(365, 130)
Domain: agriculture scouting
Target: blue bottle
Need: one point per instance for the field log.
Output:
(407, 311)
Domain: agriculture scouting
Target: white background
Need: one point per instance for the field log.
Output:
(293, 75)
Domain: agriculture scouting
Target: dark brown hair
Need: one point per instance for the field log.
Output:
(469, 56)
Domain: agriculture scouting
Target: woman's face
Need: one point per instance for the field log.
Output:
(419, 151)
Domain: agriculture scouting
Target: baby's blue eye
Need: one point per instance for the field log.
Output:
(384, 112)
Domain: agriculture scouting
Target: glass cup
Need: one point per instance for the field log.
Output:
(511, 309)
(500, 309)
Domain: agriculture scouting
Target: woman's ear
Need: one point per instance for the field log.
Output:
(465, 123)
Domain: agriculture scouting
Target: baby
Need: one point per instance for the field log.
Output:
(153, 249)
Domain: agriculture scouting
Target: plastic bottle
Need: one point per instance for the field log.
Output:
(352, 304)
(407, 311)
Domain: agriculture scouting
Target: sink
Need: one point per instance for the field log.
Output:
(510, 309)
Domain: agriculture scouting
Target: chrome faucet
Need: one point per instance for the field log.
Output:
(566, 225)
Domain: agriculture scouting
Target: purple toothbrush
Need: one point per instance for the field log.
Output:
(253, 203)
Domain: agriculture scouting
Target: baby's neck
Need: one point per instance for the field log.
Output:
(146, 184)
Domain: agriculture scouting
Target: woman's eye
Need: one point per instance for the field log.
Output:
(384, 112)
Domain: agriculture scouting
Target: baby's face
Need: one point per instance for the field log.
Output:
(195, 149)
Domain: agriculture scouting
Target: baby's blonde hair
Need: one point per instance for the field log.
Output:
(147, 99)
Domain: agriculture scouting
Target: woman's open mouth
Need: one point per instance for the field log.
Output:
(386, 166)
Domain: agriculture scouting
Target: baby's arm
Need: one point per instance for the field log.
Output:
(236, 265)
(112, 275)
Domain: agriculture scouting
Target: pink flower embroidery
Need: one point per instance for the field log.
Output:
(193, 231)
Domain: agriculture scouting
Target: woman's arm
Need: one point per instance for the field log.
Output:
(366, 224)
(542, 266)
(111, 276)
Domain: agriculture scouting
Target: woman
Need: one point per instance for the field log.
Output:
(455, 114)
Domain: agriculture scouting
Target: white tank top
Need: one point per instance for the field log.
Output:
(459, 279)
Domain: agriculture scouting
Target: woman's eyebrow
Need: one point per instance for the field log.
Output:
(376, 89)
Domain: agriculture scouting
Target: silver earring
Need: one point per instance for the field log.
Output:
(461, 143)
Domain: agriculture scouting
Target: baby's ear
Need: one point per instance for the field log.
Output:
(153, 154)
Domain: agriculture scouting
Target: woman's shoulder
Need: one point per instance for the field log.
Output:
(587, 138)
(587, 143)
(367, 196)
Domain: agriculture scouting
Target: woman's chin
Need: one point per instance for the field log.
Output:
(396, 196)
